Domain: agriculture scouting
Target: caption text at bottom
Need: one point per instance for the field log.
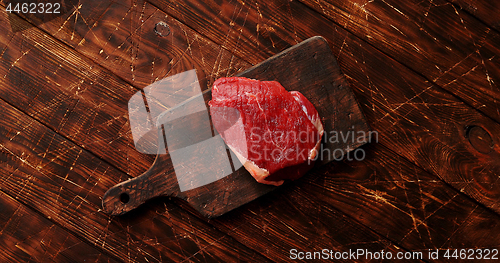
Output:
(432, 254)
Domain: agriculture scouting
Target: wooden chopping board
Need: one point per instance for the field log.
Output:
(308, 67)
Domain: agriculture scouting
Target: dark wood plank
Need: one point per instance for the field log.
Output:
(384, 184)
(70, 94)
(486, 11)
(78, 212)
(290, 218)
(27, 236)
(158, 231)
(415, 119)
(434, 38)
(92, 104)
(384, 192)
(412, 214)
(65, 183)
(314, 72)
(430, 128)
(137, 42)
(119, 236)
(337, 45)
(82, 101)
(238, 26)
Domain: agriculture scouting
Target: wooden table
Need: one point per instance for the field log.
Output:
(426, 74)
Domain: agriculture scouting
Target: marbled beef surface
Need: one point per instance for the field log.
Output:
(267, 127)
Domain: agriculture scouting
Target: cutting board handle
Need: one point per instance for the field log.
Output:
(159, 180)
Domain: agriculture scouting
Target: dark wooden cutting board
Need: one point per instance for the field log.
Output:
(308, 67)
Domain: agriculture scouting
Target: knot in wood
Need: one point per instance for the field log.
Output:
(479, 138)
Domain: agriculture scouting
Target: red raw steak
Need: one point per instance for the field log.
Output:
(274, 133)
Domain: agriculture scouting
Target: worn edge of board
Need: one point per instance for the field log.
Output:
(160, 179)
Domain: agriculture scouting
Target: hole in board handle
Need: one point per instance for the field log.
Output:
(124, 198)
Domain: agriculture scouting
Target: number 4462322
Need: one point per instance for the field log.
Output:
(479, 253)
(34, 8)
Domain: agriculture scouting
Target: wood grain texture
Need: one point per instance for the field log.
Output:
(386, 201)
(65, 183)
(84, 216)
(128, 237)
(415, 119)
(313, 72)
(290, 219)
(384, 184)
(73, 94)
(157, 232)
(26, 236)
(434, 38)
(83, 101)
(429, 127)
(238, 26)
(486, 11)
(375, 75)
(430, 215)
(68, 93)
(122, 37)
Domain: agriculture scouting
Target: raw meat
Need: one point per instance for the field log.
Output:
(274, 133)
